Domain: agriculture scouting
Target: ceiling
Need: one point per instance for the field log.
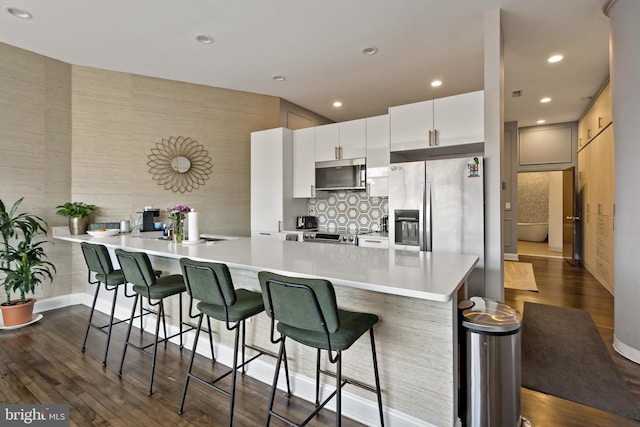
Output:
(317, 47)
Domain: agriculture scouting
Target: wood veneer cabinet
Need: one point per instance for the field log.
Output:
(596, 188)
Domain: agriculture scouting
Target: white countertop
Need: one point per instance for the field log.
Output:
(424, 275)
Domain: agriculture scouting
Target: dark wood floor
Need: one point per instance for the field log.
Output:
(43, 364)
(562, 285)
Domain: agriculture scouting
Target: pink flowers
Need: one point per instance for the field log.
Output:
(177, 212)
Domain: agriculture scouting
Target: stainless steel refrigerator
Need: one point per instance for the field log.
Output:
(438, 206)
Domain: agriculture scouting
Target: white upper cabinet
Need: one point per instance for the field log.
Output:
(459, 119)
(453, 120)
(304, 168)
(346, 140)
(378, 155)
(411, 126)
(353, 139)
(327, 142)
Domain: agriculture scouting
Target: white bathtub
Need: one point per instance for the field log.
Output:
(533, 231)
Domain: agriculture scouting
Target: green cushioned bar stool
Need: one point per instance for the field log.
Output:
(137, 270)
(100, 271)
(210, 283)
(306, 311)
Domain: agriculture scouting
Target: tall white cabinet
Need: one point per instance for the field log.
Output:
(273, 208)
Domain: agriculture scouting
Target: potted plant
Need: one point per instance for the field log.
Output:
(77, 212)
(22, 261)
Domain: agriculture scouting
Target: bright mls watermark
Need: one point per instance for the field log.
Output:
(34, 415)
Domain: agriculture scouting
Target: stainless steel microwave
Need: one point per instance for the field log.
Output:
(348, 174)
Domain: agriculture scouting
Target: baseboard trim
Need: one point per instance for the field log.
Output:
(511, 257)
(625, 350)
(362, 410)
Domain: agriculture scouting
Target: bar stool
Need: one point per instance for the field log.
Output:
(307, 312)
(99, 264)
(210, 283)
(137, 270)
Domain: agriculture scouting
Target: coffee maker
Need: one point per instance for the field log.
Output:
(148, 216)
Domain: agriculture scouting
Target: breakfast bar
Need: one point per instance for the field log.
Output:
(415, 294)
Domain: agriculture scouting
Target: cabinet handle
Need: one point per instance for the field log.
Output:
(599, 122)
(265, 234)
(340, 149)
(368, 187)
(588, 133)
(430, 137)
(580, 144)
(435, 137)
(373, 241)
(279, 226)
(313, 191)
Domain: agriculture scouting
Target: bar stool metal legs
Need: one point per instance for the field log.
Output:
(306, 311)
(211, 285)
(137, 271)
(109, 325)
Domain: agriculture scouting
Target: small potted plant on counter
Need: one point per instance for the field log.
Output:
(78, 213)
(22, 261)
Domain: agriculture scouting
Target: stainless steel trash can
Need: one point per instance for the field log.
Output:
(490, 371)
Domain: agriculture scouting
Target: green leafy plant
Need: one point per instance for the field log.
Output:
(75, 209)
(22, 255)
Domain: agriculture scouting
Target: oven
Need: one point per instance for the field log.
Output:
(341, 238)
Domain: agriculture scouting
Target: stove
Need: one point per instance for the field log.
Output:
(342, 238)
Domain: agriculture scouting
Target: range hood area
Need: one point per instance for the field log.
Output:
(344, 174)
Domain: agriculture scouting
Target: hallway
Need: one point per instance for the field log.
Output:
(561, 284)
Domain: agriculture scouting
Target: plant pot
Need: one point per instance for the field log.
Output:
(78, 225)
(17, 314)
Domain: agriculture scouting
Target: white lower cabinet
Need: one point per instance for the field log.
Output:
(373, 242)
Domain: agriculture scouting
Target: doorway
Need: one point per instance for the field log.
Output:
(540, 214)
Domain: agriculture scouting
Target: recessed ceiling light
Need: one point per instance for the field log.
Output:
(337, 104)
(371, 50)
(545, 99)
(555, 58)
(204, 39)
(436, 83)
(541, 122)
(19, 13)
(279, 78)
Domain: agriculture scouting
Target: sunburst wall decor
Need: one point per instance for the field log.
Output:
(179, 164)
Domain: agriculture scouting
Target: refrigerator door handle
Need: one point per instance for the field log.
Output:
(428, 242)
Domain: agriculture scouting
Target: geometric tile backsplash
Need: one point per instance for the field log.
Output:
(348, 211)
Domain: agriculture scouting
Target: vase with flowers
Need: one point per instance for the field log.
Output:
(177, 215)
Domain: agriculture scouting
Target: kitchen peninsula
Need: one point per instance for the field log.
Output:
(415, 295)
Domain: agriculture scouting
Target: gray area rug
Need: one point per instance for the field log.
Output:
(564, 355)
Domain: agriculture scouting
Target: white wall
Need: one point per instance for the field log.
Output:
(625, 95)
